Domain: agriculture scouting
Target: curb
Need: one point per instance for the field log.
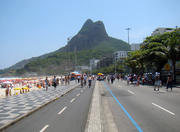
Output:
(93, 123)
(33, 110)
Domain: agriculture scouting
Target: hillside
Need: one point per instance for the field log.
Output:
(92, 41)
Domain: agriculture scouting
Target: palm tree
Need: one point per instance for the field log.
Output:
(173, 47)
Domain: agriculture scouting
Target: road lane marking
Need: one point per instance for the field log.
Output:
(163, 109)
(131, 92)
(81, 91)
(60, 112)
(78, 95)
(44, 128)
(73, 100)
(122, 107)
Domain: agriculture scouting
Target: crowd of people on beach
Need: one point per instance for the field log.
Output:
(83, 79)
(26, 85)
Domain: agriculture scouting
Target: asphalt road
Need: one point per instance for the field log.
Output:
(142, 109)
(67, 114)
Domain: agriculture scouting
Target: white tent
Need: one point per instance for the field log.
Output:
(7, 82)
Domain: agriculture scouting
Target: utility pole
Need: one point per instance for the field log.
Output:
(68, 48)
(128, 33)
(115, 59)
(75, 58)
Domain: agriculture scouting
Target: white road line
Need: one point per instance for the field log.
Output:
(163, 109)
(131, 92)
(73, 100)
(81, 91)
(60, 112)
(44, 128)
(78, 95)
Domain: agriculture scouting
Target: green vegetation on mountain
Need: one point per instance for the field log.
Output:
(92, 41)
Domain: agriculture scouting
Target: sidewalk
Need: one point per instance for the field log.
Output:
(15, 108)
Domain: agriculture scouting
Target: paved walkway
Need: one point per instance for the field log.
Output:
(15, 107)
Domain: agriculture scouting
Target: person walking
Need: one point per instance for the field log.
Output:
(78, 78)
(89, 81)
(112, 79)
(46, 83)
(169, 82)
(157, 83)
(62, 82)
(57, 81)
(54, 82)
(85, 79)
(108, 78)
(82, 80)
(68, 79)
(128, 79)
(118, 77)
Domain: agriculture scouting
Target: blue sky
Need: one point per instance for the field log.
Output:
(29, 28)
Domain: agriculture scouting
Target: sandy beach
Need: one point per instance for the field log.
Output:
(14, 92)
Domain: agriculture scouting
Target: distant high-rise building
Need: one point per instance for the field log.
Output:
(159, 31)
(121, 54)
(93, 63)
(135, 47)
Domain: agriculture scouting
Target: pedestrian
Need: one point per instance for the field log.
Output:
(82, 80)
(78, 78)
(85, 79)
(134, 79)
(89, 81)
(7, 90)
(10, 89)
(169, 82)
(138, 81)
(54, 82)
(61, 80)
(157, 83)
(128, 79)
(112, 79)
(143, 80)
(57, 81)
(108, 78)
(118, 77)
(68, 79)
(46, 83)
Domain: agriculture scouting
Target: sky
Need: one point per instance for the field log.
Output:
(30, 28)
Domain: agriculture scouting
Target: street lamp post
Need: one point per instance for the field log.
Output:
(128, 33)
(68, 49)
(115, 59)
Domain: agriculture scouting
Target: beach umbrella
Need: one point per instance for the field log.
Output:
(17, 88)
(100, 74)
(7, 82)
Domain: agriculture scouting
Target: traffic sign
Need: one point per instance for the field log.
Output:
(167, 67)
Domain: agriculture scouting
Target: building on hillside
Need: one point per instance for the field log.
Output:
(81, 68)
(120, 54)
(159, 31)
(105, 62)
(93, 64)
(135, 47)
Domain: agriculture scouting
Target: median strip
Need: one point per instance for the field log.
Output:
(163, 109)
